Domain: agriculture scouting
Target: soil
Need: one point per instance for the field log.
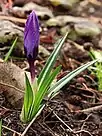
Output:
(77, 110)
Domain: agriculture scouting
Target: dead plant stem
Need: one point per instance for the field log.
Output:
(11, 130)
(11, 86)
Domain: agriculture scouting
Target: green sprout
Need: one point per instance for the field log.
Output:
(10, 50)
(38, 89)
(97, 69)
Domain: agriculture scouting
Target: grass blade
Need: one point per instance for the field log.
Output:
(11, 49)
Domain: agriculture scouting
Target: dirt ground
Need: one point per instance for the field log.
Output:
(77, 110)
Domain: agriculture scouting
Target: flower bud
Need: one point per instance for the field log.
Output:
(31, 41)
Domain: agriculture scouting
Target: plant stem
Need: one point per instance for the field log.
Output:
(32, 70)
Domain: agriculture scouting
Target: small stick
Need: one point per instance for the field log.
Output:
(71, 130)
(11, 130)
(47, 129)
(25, 131)
(85, 131)
(82, 127)
(92, 109)
(14, 19)
(11, 86)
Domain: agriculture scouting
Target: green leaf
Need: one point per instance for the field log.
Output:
(28, 100)
(91, 54)
(97, 69)
(11, 49)
(34, 87)
(58, 85)
(43, 90)
(99, 75)
(96, 54)
(0, 127)
(50, 62)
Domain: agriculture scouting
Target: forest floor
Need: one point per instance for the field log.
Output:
(77, 110)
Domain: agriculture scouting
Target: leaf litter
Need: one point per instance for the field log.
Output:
(77, 110)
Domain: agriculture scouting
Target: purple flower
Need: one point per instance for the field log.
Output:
(31, 41)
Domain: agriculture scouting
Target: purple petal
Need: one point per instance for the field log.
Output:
(31, 41)
(31, 36)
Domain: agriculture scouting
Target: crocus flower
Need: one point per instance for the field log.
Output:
(31, 41)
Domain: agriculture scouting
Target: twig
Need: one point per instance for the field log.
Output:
(11, 86)
(85, 131)
(25, 131)
(71, 130)
(82, 127)
(11, 130)
(92, 109)
(14, 19)
(47, 129)
(27, 128)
